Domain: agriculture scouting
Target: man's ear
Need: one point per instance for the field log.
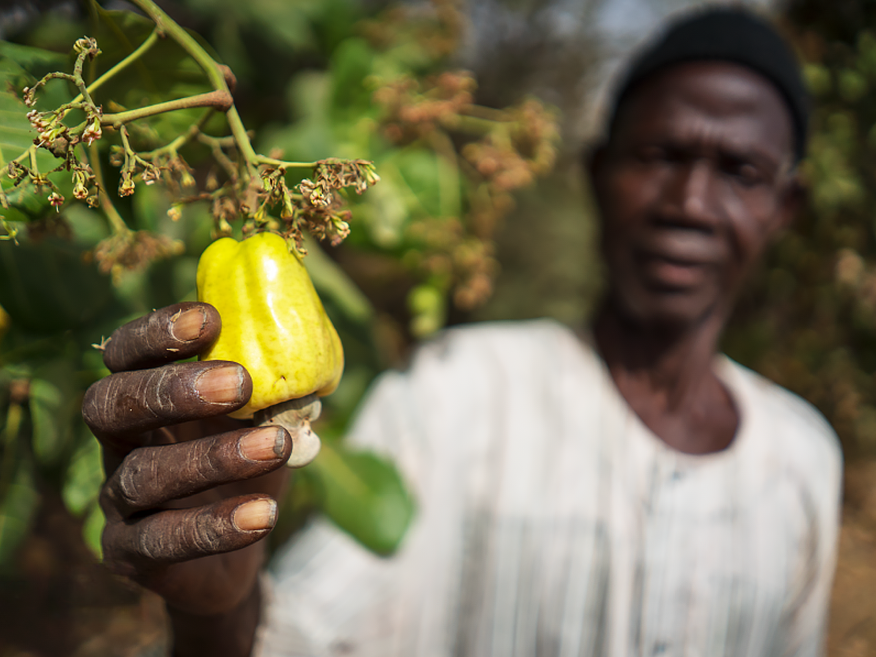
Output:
(793, 199)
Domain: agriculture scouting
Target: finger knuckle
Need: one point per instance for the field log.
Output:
(156, 545)
(93, 410)
(132, 489)
(207, 533)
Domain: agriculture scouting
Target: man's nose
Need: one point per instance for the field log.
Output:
(691, 195)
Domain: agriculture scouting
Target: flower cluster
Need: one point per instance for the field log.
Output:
(511, 159)
(495, 153)
(241, 186)
(133, 251)
(313, 206)
(413, 110)
(319, 210)
(445, 252)
(334, 175)
(433, 28)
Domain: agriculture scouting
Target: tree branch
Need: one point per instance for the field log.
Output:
(219, 100)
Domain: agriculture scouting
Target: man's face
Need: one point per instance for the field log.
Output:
(691, 188)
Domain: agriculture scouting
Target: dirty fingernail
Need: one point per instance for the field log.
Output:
(187, 325)
(220, 385)
(263, 445)
(255, 515)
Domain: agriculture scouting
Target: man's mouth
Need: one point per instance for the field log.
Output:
(672, 273)
(677, 259)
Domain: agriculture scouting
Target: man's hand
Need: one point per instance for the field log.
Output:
(186, 507)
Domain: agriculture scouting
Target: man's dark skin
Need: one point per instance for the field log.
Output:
(694, 183)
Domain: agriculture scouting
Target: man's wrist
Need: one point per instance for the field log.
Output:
(229, 634)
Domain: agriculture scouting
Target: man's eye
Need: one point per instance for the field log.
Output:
(744, 173)
(653, 154)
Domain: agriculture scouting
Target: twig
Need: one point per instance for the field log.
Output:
(220, 100)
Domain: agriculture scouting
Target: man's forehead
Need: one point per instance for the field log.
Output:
(726, 34)
(717, 103)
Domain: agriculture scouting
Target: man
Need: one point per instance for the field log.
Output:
(622, 492)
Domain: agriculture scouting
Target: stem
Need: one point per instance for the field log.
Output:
(172, 147)
(62, 111)
(295, 415)
(217, 142)
(117, 224)
(122, 65)
(107, 76)
(487, 113)
(475, 124)
(262, 159)
(220, 100)
(448, 183)
(242, 139)
(34, 169)
(218, 155)
(166, 24)
(214, 73)
(77, 76)
(26, 154)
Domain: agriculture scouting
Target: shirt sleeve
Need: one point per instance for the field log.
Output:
(808, 621)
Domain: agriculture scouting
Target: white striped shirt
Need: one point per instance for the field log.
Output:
(552, 522)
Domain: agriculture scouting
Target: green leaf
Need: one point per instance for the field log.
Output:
(283, 24)
(54, 409)
(34, 62)
(92, 529)
(84, 477)
(332, 282)
(17, 508)
(47, 287)
(21, 66)
(364, 495)
(351, 64)
(308, 136)
(420, 172)
(165, 72)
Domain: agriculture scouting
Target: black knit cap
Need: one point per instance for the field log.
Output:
(732, 35)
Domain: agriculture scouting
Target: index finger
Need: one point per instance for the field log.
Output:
(163, 336)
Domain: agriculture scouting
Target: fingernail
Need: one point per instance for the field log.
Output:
(220, 385)
(263, 445)
(255, 515)
(187, 325)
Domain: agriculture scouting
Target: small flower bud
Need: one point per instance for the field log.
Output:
(56, 200)
(126, 185)
(86, 45)
(92, 133)
(150, 175)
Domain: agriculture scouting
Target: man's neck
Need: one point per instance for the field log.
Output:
(671, 359)
(665, 374)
